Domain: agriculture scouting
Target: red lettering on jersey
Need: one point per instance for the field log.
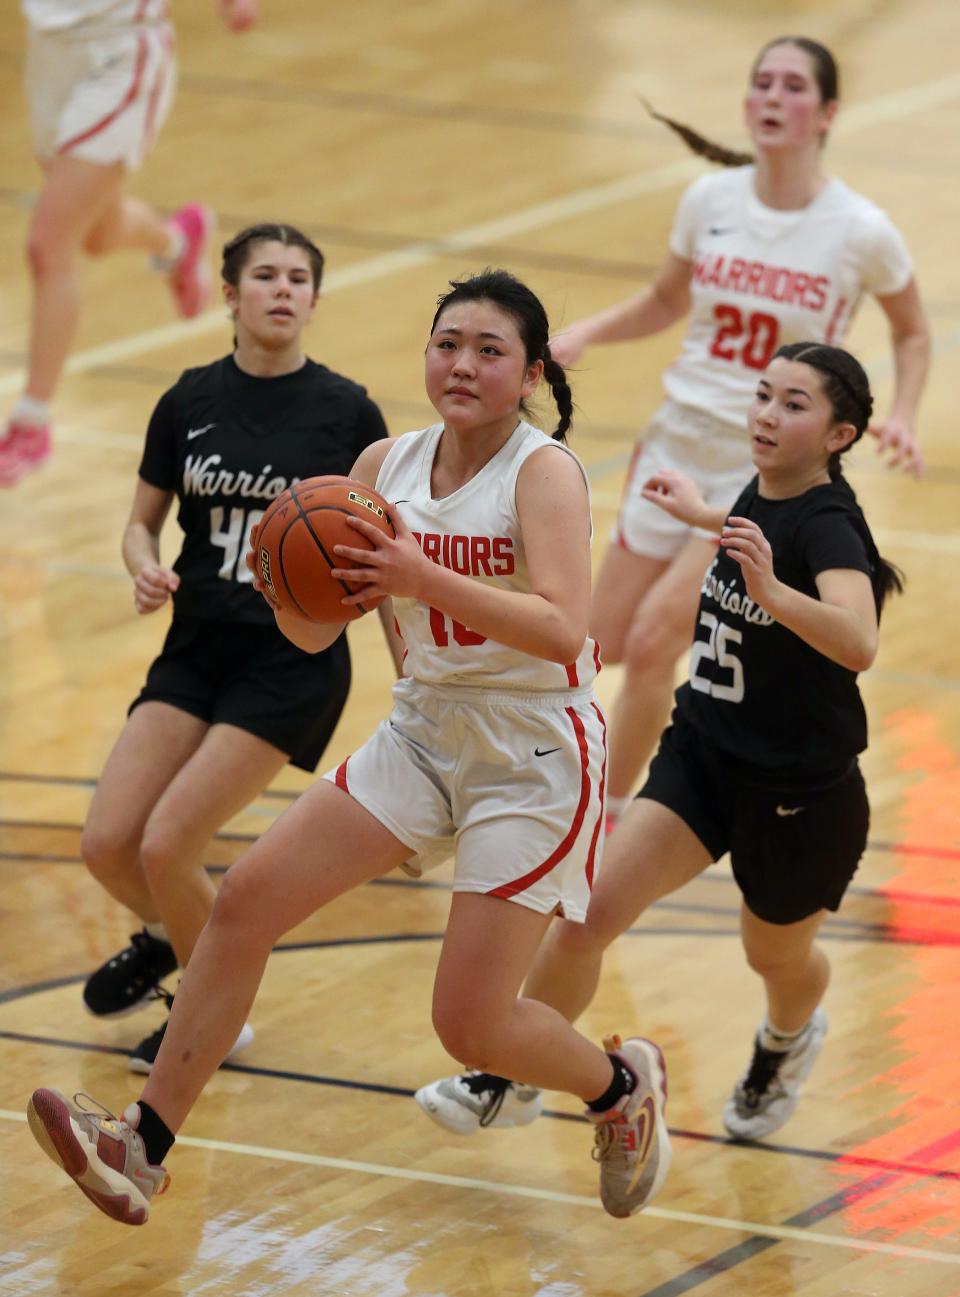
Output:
(818, 289)
(460, 555)
(431, 546)
(469, 555)
(503, 556)
(716, 274)
(480, 549)
(754, 277)
(738, 269)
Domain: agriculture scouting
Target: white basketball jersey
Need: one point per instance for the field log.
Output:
(763, 277)
(474, 531)
(58, 15)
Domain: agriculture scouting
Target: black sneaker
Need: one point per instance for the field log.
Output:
(126, 981)
(144, 1056)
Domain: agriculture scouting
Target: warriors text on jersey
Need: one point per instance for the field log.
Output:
(763, 278)
(475, 531)
(228, 443)
(756, 690)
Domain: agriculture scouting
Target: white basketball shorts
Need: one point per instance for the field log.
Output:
(680, 437)
(101, 92)
(512, 783)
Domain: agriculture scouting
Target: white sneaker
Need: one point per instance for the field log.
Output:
(764, 1098)
(473, 1100)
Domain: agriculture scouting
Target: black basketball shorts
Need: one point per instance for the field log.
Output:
(794, 843)
(251, 676)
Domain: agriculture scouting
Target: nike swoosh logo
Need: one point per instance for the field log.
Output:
(789, 810)
(646, 1119)
(198, 432)
(716, 230)
(545, 753)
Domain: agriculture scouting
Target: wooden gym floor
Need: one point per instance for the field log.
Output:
(415, 142)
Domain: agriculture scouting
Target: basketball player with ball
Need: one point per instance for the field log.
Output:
(495, 745)
(229, 700)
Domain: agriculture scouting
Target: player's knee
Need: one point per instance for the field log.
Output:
(464, 1037)
(106, 853)
(97, 242)
(776, 965)
(46, 255)
(652, 646)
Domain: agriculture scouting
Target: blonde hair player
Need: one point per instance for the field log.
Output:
(760, 757)
(495, 743)
(100, 79)
(769, 251)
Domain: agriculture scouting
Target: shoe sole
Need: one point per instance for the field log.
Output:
(653, 1074)
(123, 1013)
(434, 1112)
(52, 1126)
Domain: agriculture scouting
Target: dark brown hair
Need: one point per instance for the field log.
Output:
(511, 295)
(237, 252)
(825, 72)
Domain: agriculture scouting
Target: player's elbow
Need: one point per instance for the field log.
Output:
(567, 644)
(861, 652)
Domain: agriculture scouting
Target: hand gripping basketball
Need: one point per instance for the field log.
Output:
(293, 547)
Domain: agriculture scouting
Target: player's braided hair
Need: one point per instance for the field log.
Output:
(847, 388)
(237, 250)
(827, 77)
(526, 309)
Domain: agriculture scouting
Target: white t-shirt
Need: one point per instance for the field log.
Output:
(59, 15)
(474, 531)
(763, 277)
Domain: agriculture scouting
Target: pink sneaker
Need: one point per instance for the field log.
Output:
(631, 1141)
(190, 280)
(103, 1155)
(24, 447)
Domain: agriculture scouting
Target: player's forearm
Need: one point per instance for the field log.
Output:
(838, 633)
(528, 622)
(138, 547)
(312, 637)
(638, 317)
(911, 361)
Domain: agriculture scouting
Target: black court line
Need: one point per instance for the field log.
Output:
(918, 1170)
(485, 115)
(832, 930)
(730, 1258)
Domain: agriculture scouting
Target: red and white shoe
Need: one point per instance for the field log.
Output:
(191, 281)
(24, 447)
(631, 1141)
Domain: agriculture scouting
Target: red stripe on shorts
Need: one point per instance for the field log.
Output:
(591, 858)
(521, 884)
(572, 678)
(125, 102)
(341, 776)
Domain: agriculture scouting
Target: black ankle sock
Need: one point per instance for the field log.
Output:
(624, 1082)
(158, 1138)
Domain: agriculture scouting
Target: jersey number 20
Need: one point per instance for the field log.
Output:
(759, 331)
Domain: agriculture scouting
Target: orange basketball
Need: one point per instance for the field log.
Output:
(295, 540)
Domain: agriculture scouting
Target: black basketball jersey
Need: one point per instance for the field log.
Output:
(228, 443)
(756, 690)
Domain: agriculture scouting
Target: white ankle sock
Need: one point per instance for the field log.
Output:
(157, 931)
(772, 1037)
(29, 410)
(165, 261)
